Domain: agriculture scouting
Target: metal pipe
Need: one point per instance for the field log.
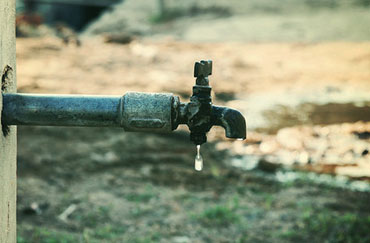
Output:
(61, 110)
(96, 3)
(135, 111)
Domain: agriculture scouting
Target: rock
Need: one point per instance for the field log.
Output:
(180, 239)
(303, 158)
(66, 213)
(268, 146)
(365, 152)
(267, 166)
(362, 135)
(246, 162)
(146, 170)
(290, 138)
(107, 158)
(353, 171)
(286, 157)
(331, 157)
(118, 38)
(348, 158)
(35, 208)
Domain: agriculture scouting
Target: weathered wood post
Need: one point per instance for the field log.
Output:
(8, 134)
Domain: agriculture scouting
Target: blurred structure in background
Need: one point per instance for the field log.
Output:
(74, 13)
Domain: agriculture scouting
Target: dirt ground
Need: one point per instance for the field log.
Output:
(105, 185)
(294, 73)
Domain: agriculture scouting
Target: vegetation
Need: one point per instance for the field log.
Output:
(255, 213)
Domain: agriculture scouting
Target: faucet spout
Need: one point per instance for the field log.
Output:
(231, 120)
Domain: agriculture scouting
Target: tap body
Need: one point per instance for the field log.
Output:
(200, 115)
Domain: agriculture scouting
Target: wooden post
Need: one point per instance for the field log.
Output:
(8, 146)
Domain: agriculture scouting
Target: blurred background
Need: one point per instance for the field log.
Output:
(299, 71)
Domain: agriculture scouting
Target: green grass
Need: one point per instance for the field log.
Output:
(142, 197)
(139, 211)
(242, 210)
(46, 235)
(93, 217)
(109, 232)
(151, 237)
(335, 227)
(316, 225)
(268, 201)
(219, 215)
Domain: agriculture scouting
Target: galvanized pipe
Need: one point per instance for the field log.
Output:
(134, 111)
(61, 110)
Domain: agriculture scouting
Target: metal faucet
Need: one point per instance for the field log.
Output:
(200, 115)
(135, 111)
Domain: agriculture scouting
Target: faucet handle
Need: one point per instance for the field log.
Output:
(202, 69)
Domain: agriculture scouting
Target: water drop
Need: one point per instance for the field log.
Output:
(198, 160)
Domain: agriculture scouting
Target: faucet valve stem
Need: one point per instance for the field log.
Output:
(200, 105)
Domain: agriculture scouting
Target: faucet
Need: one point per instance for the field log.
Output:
(200, 115)
(135, 111)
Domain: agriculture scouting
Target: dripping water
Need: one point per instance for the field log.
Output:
(198, 160)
